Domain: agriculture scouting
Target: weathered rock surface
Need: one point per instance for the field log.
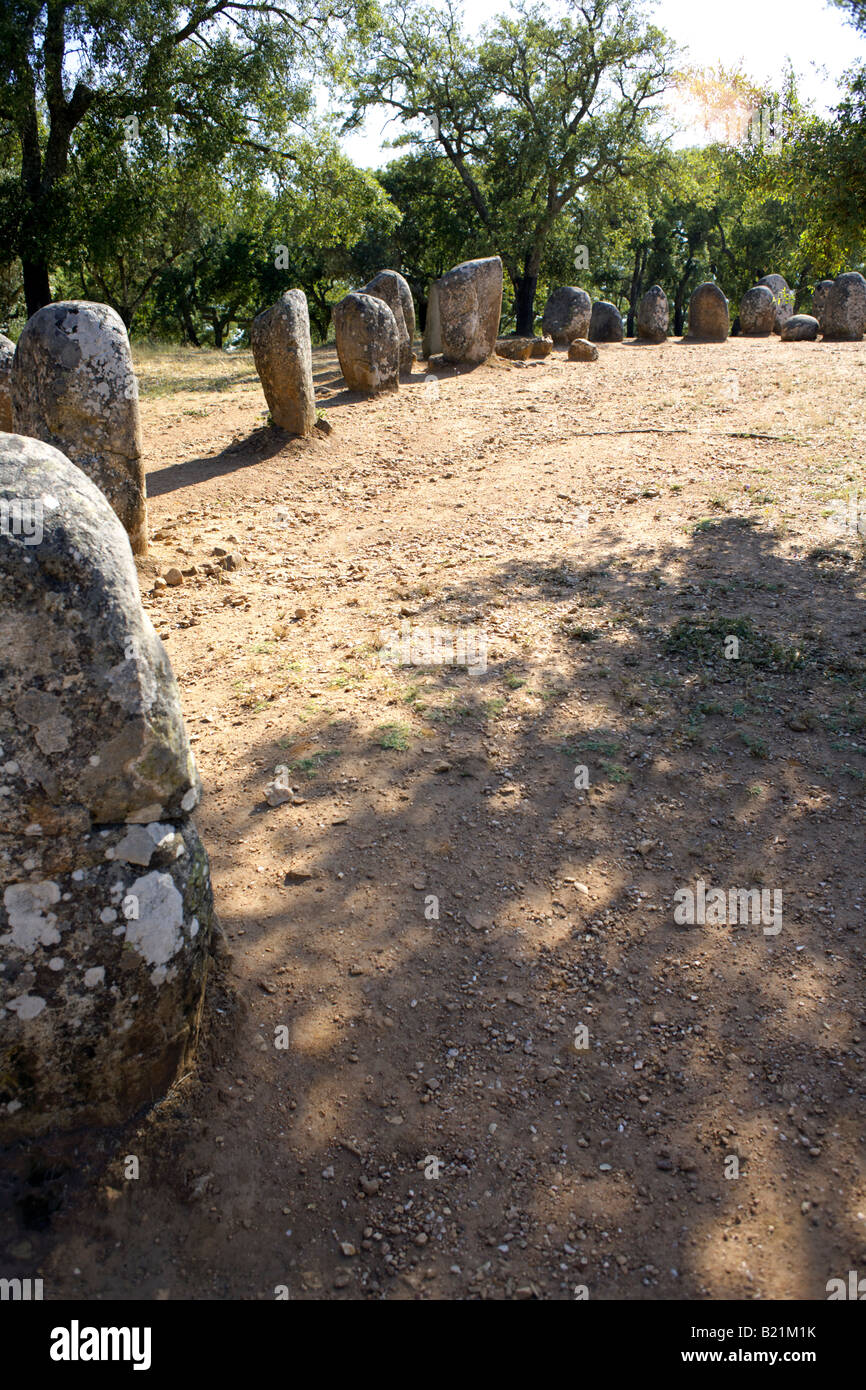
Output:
(469, 305)
(518, 349)
(7, 352)
(408, 307)
(651, 320)
(819, 298)
(74, 387)
(844, 317)
(580, 350)
(387, 287)
(368, 344)
(800, 328)
(431, 340)
(567, 314)
(783, 298)
(283, 354)
(605, 323)
(708, 314)
(757, 312)
(105, 899)
(89, 710)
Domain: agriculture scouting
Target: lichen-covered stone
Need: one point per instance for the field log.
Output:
(708, 314)
(541, 348)
(283, 354)
(105, 899)
(431, 340)
(517, 349)
(605, 323)
(90, 721)
(387, 286)
(800, 328)
(7, 352)
(104, 963)
(567, 314)
(368, 344)
(469, 304)
(73, 386)
(844, 316)
(819, 298)
(783, 299)
(757, 312)
(408, 304)
(580, 350)
(652, 316)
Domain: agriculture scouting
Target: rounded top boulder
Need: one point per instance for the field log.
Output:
(91, 729)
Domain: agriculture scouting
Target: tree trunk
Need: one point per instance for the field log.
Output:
(37, 288)
(524, 304)
(679, 312)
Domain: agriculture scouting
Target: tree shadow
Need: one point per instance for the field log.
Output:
(710, 1049)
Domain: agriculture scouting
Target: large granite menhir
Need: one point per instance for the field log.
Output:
(73, 386)
(283, 354)
(368, 343)
(566, 314)
(105, 898)
(844, 311)
(393, 290)
(464, 310)
(708, 314)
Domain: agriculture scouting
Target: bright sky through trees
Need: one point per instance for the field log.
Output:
(758, 34)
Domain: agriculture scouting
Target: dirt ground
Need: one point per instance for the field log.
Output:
(394, 1104)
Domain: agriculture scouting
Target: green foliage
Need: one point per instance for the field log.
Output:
(541, 107)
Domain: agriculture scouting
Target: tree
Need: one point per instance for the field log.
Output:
(538, 109)
(225, 73)
(436, 226)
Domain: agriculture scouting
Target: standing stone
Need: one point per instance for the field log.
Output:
(368, 344)
(566, 315)
(105, 898)
(283, 354)
(469, 303)
(431, 341)
(757, 312)
(7, 352)
(783, 297)
(652, 316)
(605, 323)
(73, 386)
(387, 287)
(845, 308)
(800, 328)
(708, 314)
(819, 298)
(408, 308)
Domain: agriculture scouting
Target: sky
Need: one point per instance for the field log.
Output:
(758, 35)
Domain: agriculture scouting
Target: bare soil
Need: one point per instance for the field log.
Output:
(605, 527)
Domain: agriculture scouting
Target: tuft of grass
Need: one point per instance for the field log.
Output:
(393, 736)
(703, 640)
(756, 746)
